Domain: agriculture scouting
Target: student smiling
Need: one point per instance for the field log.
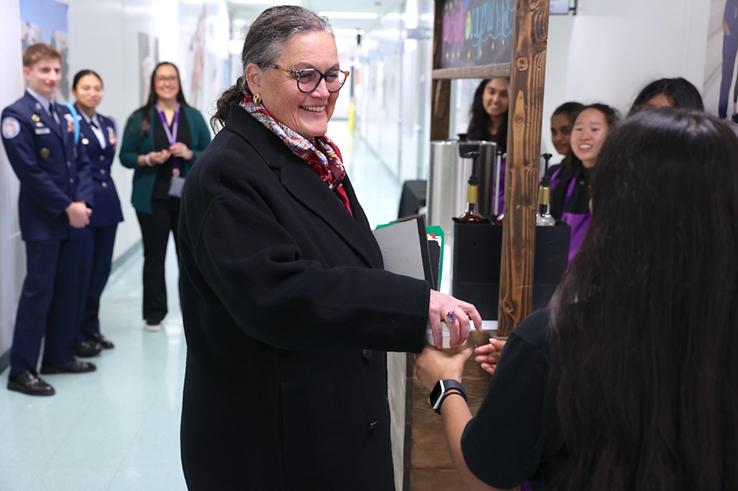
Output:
(570, 198)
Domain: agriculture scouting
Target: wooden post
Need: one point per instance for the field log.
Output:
(441, 89)
(523, 158)
(427, 463)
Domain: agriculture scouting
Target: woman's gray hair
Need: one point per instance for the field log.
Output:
(267, 34)
(263, 45)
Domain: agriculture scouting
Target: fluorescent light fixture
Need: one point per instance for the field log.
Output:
(349, 15)
(268, 2)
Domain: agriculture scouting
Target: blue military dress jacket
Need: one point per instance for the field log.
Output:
(107, 205)
(52, 170)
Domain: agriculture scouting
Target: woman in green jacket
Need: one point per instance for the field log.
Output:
(162, 141)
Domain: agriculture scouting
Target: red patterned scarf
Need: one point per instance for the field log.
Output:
(321, 154)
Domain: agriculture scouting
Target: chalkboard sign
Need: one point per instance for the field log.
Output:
(477, 32)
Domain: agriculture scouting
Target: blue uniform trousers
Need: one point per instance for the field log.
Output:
(97, 255)
(48, 305)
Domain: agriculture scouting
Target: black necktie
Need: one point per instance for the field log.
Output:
(54, 114)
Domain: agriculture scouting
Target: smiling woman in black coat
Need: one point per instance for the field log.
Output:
(287, 310)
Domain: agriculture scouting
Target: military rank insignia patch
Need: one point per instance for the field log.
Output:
(11, 127)
(111, 136)
(71, 123)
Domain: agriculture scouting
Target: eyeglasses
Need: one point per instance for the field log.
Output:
(309, 78)
(161, 78)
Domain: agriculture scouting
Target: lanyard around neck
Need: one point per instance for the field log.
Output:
(171, 134)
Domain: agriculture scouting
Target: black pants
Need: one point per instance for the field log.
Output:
(155, 228)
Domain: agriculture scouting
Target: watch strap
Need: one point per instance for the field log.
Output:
(442, 390)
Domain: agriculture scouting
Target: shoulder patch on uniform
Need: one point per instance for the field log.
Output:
(11, 127)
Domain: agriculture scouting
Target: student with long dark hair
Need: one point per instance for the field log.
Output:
(162, 141)
(570, 196)
(98, 135)
(489, 114)
(668, 92)
(627, 381)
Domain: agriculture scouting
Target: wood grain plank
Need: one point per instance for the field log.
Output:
(436, 480)
(497, 70)
(440, 109)
(523, 158)
(428, 447)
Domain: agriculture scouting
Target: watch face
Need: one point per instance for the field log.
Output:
(436, 393)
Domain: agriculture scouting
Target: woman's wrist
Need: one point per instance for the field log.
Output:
(147, 160)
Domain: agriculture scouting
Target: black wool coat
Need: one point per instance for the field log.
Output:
(288, 315)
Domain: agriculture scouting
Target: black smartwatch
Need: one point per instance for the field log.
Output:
(440, 391)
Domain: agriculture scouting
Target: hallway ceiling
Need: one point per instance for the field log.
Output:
(248, 12)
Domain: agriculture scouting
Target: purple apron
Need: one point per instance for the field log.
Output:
(501, 194)
(555, 178)
(578, 222)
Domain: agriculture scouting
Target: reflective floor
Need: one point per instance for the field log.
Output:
(118, 428)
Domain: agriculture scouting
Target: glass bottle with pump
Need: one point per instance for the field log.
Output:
(471, 215)
(543, 217)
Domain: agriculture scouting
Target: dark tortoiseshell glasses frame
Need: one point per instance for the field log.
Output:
(310, 77)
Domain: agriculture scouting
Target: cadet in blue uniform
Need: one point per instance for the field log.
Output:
(98, 136)
(54, 205)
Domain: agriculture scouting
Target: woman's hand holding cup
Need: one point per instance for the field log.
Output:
(455, 314)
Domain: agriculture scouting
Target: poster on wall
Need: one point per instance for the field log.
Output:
(477, 32)
(206, 69)
(198, 43)
(45, 21)
(148, 58)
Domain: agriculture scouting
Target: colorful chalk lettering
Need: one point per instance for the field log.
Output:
(478, 28)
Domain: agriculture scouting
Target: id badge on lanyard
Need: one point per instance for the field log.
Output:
(177, 182)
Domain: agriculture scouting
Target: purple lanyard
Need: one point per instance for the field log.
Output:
(171, 135)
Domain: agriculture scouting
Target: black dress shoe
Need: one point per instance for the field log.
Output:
(74, 366)
(101, 340)
(30, 384)
(87, 349)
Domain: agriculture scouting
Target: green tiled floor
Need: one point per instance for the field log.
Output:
(113, 429)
